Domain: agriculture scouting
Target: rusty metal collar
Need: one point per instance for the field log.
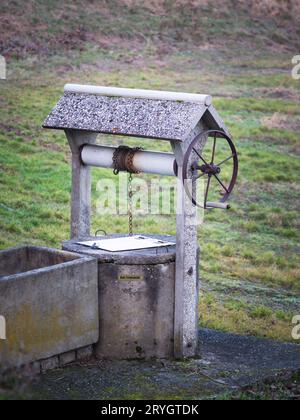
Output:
(123, 159)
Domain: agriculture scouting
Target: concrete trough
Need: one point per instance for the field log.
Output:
(49, 301)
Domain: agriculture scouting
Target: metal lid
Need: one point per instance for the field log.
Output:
(145, 256)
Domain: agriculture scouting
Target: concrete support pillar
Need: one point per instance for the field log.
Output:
(81, 184)
(187, 257)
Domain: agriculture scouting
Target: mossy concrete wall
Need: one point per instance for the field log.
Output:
(136, 310)
(49, 300)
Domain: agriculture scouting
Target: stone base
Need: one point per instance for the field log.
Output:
(64, 359)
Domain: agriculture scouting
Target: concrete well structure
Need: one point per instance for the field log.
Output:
(136, 301)
(161, 304)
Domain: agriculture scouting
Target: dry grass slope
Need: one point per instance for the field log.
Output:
(44, 27)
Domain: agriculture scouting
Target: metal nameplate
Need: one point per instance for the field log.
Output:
(131, 277)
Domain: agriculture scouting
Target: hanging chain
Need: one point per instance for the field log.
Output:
(130, 209)
(131, 169)
(123, 161)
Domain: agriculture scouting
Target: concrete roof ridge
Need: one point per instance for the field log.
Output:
(138, 93)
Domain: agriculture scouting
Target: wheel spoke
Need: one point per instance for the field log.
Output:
(214, 150)
(226, 160)
(199, 176)
(221, 183)
(203, 160)
(206, 192)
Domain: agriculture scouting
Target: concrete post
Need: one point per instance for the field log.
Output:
(186, 281)
(81, 184)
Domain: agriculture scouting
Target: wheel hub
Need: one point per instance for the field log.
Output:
(209, 169)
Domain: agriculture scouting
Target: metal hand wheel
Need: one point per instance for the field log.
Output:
(212, 163)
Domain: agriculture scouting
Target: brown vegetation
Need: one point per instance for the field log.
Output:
(45, 27)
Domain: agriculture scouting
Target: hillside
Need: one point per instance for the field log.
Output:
(44, 27)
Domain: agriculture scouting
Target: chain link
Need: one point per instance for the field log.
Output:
(123, 161)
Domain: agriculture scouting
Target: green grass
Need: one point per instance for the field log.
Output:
(250, 256)
(285, 387)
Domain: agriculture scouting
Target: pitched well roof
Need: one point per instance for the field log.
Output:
(131, 116)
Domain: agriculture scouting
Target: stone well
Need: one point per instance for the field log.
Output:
(136, 301)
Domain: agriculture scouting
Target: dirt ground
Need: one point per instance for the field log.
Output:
(228, 365)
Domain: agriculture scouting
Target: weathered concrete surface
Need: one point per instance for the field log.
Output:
(50, 303)
(81, 184)
(161, 119)
(228, 362)
(187, 256)
(136, 316)
(136, 301)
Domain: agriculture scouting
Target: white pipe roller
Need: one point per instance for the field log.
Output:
(146, 162)
(138, 93)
